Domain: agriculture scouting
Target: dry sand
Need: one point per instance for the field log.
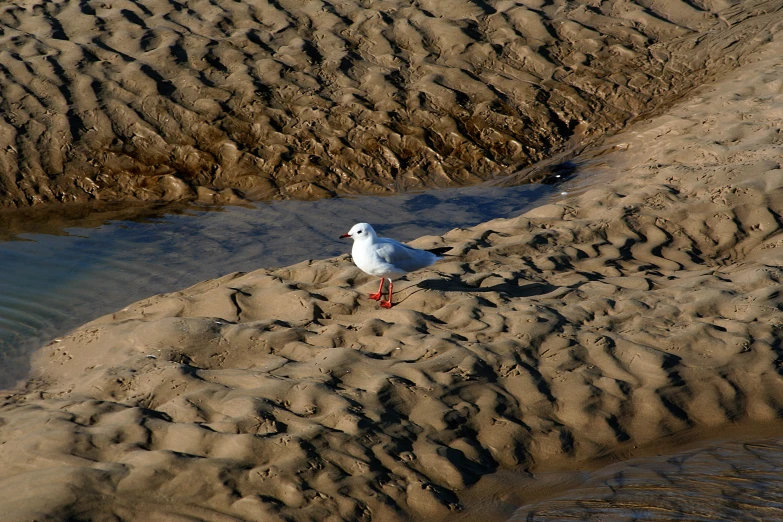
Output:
(219, 100)
(646, 306)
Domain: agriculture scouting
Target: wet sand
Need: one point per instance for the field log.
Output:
(219, 101)
(725, 480)
(644, 307)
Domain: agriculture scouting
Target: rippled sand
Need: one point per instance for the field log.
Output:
(645, 306)
(128, 100)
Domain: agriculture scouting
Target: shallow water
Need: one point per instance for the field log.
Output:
(53, 283)
(727, 480)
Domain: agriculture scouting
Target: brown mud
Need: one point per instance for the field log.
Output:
(220, 101)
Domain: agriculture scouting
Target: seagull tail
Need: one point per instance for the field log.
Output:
(439, 251)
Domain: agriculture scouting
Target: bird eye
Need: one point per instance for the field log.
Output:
(359, 232)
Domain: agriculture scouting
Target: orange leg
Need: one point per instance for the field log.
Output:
(377, 296)
(388, 304)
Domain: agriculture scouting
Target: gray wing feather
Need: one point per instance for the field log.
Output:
(403, 256)
(393, 252)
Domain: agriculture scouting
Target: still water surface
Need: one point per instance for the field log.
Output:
(731, 480)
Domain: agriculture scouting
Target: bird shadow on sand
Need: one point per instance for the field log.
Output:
(510, 288)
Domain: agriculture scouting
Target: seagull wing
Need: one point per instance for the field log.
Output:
(403, 256)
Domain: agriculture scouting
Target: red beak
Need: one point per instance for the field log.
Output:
(345, 235)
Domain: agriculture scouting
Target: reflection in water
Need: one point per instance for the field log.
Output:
(730, 481)
(53, 283)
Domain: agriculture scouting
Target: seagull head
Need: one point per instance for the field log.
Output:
(360, 231)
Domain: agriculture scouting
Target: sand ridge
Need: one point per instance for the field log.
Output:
(646, 305)
(157, 101)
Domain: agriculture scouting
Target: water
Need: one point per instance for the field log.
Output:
(54, 283)
(730, 480)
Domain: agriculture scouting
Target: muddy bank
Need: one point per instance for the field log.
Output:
(218, 101)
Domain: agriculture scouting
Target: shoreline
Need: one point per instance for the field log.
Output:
(68, 279)
(498, 496)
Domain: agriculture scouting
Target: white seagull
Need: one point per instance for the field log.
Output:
(386, 258)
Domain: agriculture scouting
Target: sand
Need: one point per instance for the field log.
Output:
(644, 306)
(221, 100)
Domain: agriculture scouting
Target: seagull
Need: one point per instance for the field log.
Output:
(386, 258)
